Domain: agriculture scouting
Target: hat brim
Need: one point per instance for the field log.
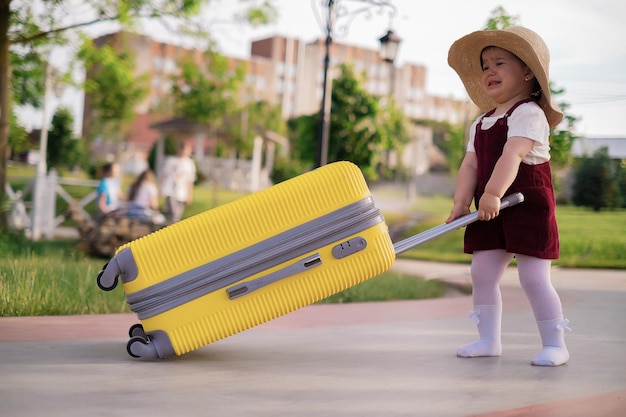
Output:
(464, 58)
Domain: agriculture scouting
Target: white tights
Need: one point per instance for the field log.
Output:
(534, 275)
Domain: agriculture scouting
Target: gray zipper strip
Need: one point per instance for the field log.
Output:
(232, 268)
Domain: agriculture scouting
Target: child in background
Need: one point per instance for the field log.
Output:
(505, 73)
(178, 176)
(109, 190)
(143, 198)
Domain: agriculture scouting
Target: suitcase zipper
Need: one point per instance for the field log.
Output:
(239, 265)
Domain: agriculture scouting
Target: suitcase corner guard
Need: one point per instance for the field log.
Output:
(121, 265)
(154, 345)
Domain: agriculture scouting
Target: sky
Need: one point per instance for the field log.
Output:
(585, 38)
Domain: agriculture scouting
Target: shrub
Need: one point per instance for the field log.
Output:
(595, 184)
(285, 168)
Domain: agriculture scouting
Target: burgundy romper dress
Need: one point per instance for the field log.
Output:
(528, 228)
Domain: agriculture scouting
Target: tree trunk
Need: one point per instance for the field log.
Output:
(5, 99)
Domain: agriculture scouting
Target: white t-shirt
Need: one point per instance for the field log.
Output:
(146, 192)
(528, 120)
(177, 174)
(110, 187)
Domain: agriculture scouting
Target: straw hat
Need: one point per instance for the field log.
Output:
(464, 58)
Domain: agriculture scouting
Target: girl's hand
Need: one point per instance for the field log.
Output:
(458, 210)
(488, 206)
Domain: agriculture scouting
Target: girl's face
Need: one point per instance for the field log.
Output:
(505, 77)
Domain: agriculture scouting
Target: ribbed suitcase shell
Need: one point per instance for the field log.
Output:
(242, 223)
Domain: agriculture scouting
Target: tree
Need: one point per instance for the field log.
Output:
(64, 149)
(206, 94)
(251, 121)
(354, 133)
(302, 132)
(500, 19)
(451, 141)
(392, 127)
(595, 184)
(28, 25)
(359, 129)
(352, 123)
(114, 91)
(28, 77)
(620, 178)
(18, 136)
(562, 136)
(169, 149)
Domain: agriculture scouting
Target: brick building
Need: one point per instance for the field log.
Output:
(282, 71)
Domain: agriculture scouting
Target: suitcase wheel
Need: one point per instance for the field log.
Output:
(108, 282)
(102, 286)
(137, 330)
(139, 347)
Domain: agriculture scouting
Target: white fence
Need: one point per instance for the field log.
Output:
(235, 174)
(37, 214)
(33, 208)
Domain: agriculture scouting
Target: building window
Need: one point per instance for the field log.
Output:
(290, 71)
(280, 68)
(279, 89)
(169, 66)
(157, 63)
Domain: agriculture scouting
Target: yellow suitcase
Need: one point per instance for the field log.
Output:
(254, 259)
(249, 261)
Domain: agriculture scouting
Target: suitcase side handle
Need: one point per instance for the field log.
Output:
(255, 284)
(416, 240)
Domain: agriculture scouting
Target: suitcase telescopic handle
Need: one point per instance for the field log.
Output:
(416, 240)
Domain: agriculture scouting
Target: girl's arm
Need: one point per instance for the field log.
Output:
(503, 175)
(102, 203)
(154, 197)
(465, 186)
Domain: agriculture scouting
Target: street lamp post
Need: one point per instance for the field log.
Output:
(388, 53)
(324, 124)
(333, 12)
(389, 44)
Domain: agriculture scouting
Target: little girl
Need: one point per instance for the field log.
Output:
(505, 73)
(143, 198)
(109, 189)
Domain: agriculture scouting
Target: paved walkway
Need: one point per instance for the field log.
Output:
(372, 359)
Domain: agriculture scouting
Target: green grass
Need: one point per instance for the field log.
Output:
(51, 278)
(389, 286)
(592, 239)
